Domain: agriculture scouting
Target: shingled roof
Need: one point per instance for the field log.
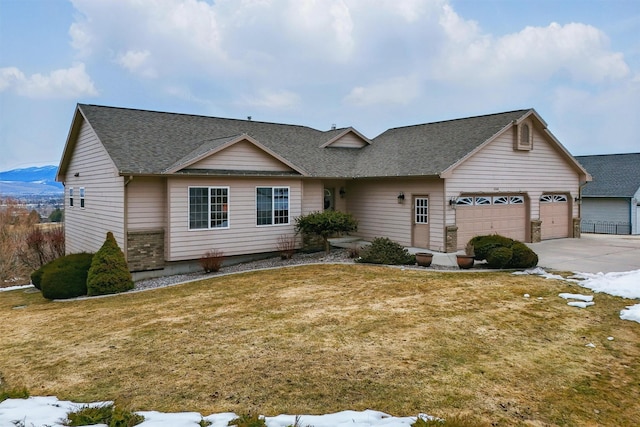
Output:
(614, 175)
(150, 142)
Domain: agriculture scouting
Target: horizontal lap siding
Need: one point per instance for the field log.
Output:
(349, 140)
(375, 205)
(86, 229)
(241, 156)
(243, 236)
(499, 168)
(146, 204)
(312, 197)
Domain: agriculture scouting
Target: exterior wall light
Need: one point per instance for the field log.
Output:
(401, 197)
(343, 192)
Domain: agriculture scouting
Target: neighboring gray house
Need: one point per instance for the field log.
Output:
(610, 203)
(172, 186)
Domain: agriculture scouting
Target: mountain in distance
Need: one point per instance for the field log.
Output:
(30, 181)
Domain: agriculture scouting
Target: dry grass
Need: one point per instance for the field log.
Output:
(318, 339)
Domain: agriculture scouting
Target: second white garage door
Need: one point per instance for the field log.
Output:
(554, 214)
(479, 215)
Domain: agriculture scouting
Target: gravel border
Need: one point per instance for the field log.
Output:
(336, 256)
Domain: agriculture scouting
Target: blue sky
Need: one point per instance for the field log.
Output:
(370, 64)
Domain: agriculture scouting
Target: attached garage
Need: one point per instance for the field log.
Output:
(500, 214)
(555, 216)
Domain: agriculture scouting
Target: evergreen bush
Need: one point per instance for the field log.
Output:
(523, 256)
(66, 277)
(499, 257)
(518, 255)
(109, 273)
(383, 250)
(36, 277)
(326, 224)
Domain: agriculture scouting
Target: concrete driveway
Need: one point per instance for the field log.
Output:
(592, 253)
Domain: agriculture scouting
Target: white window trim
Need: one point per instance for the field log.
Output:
(82, 197)
(71, 197)
(209, 188)
(425, 207)
(273, 200)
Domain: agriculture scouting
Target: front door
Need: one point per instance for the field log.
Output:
(420, 233)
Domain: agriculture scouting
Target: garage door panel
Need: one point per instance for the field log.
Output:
(554, 214)
(506, 219)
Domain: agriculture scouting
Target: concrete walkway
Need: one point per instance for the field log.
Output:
(592, 253)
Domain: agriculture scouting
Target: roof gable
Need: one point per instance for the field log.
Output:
(614, 175)
(349, 138)
(240, 153)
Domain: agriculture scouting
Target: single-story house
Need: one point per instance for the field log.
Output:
(172, 186)
(611, 202)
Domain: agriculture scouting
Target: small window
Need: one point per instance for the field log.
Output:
(525, 135)
(71, 197)
(464, 201)
(546, 198)
(82, 197)
(208, 207)
(422, 210)
(516, 200)
(481, 200)
(272, 205)
(559, 198)
(501, 200)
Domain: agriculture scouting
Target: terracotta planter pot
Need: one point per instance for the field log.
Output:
(465, 261)
(424, 259)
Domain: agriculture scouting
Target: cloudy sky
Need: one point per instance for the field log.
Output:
(370, 64)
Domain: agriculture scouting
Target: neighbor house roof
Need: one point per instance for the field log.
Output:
(614, 175)
(154, 143)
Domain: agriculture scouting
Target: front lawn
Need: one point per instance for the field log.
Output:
(324, 338)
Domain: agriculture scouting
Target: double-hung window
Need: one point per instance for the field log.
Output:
(71, 197)
(272, 205)
(208, 207)
(82, 197)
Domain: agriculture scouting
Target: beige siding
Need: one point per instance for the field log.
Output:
(243, 235)
(86, 228)
(498, 168)
(312, 196)
(375, 205)
(241, 156)
(146, 204)
(350, 140)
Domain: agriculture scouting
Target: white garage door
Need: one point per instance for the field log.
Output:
(554, 214)
(479, 215)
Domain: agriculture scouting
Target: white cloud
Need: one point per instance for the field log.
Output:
(577, 52)
(279, 99)
(137, 62)
(71, 82)
(397, 91)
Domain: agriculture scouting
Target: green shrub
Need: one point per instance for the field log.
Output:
(109, 414)
(326, 224)
(66, 277)
(523, 256)
(109, 273)
(36, 277)
(520, 256)
(382, 250)
(484, 244)
(499, 257)
(248, 420)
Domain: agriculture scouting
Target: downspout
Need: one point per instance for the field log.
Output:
(126, 218)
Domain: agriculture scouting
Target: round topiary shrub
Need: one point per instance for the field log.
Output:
(109, 273)
(523, 256)
(482, 245)
(66, 277)
(383, 250)
(36, 277)
(499, 257)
